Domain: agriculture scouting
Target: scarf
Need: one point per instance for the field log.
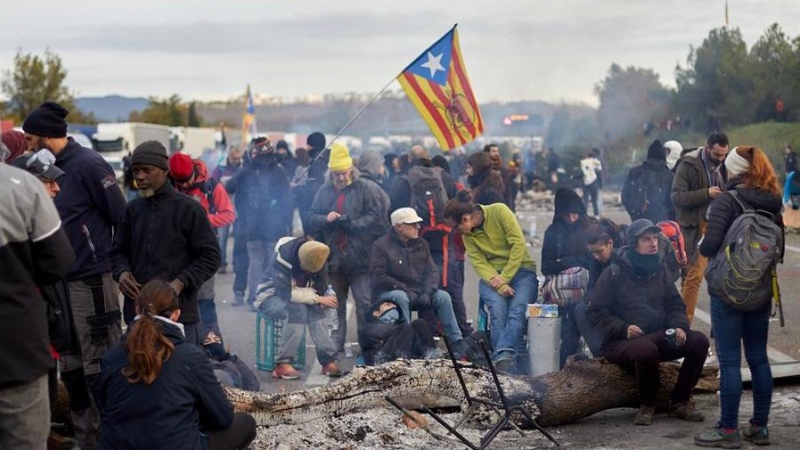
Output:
(644, 265)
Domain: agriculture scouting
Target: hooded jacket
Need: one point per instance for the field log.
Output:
(623, 297)
(91, 205)
(369, 166)
(350, 240)
(725, 210)
(170, 413)
(164, 237)
(263, 199)
(222, 213)
(563, 246)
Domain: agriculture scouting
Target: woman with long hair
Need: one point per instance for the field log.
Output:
(498, 252)
(156, 391)
(753, 180)
(486, 183)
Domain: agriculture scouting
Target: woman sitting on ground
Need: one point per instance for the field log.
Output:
(158, 392)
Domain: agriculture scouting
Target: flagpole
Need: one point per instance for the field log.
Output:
(375, 98)
(361, 111)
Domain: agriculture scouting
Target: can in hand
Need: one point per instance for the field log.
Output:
(671, 338)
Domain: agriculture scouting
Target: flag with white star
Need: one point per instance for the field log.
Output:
(438, 86)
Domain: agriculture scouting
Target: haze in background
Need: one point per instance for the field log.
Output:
(532, 49)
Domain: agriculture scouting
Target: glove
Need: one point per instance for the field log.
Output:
(423, 301)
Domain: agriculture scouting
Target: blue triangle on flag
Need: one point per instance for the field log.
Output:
(434, 63)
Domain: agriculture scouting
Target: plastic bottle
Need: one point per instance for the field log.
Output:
(331, 314)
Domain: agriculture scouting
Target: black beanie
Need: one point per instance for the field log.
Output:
(48, 120)
(316, 140)
(151, 153)
(656, 151)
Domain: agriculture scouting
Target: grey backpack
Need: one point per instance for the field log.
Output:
(741, 272)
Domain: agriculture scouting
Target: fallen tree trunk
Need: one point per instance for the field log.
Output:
(581, 389)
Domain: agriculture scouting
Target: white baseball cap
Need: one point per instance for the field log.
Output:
(405, 215)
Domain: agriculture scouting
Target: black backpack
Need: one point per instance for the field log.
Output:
(429, 199)
(640, 191)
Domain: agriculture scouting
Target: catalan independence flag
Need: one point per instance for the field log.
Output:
(438, 86)
(249, 128)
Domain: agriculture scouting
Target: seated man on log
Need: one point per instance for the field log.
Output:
(402, 271)
(644, 321)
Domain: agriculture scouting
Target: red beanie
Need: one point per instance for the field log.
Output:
(15, 141)
(181, 166)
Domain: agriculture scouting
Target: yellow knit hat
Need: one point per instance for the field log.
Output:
(312, 256)
(340, 158)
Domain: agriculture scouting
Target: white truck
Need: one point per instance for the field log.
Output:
(192, 140)
(114, 140)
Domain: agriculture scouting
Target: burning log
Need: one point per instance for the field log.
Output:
(581, 389)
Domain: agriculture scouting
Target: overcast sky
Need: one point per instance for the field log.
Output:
(513, 49)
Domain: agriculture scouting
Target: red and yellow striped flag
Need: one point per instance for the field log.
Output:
(438, 86)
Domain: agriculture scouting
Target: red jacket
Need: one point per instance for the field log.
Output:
(223, 207)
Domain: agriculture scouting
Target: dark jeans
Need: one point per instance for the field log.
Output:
(731, 328)
(362, 294)
(590, 196)
(455, 287)
(592, 335)
(643, 354)
(241, 260)
(570, 336)
(239, 434)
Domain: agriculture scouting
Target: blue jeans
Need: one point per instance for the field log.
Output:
(731, 328)
(507, 315)
(441, 304)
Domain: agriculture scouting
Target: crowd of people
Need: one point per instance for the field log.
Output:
(394, 232)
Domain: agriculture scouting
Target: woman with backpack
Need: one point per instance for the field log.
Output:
(754, 185)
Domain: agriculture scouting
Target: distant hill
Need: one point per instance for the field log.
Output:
(111, 108)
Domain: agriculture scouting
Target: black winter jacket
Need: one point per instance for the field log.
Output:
(263, 199)
(366, 221)
(168, 414)
(407, 267)
(622, 297)
(91, 205)
(725, 210)
(164, 237)
(563, 246)
(657, 176)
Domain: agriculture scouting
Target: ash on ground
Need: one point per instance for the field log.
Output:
(381, 428)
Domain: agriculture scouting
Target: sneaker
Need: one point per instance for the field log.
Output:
(331, 370)
(238, 299)
(645, 416)
(757, 435)
(719, 438)
(505, 365)
(285, 371)
(687, 411)
(460, 350)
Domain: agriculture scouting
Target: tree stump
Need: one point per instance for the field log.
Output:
(581, 389)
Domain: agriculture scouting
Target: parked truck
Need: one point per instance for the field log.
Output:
(114, 140)
(192, 140)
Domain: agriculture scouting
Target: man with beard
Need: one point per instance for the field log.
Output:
(91, 206)
(348, 216)
(165, 235)
(699, 179)
(264, 203)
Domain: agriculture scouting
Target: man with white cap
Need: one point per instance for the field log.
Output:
(402, 271)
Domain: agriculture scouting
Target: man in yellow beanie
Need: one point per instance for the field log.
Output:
(295, 290)
(348, 216)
